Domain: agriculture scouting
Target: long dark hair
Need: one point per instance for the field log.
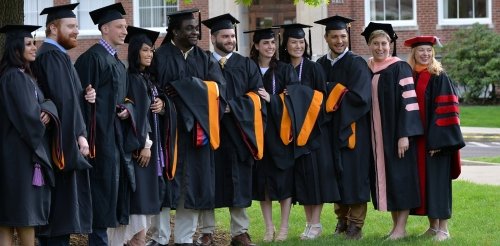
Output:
(254, 55)
(134, 48)
(13, 55)
(285, 57)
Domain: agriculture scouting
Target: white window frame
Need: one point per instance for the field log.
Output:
(395, 23)
(463, 21)
(137, 17)
(88, 32)
(40, 18)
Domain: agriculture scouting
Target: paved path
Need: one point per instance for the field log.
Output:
(480, 173)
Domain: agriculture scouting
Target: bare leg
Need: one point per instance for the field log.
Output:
(26, 236)
(400, 229)
(308, 212)
(285, 205)
(442, 233)
(6, 234)
(267, 213)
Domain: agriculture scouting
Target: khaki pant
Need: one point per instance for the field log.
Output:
(353, 213)
(239, 221)
(186, 221)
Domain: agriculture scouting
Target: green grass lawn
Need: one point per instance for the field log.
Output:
(480, 116)
(493, 159)
(475, 221)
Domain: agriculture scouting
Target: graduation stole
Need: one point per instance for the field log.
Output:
(333, 104)
(258, 149)
(213, 119)
(56, 146)
(286, 133)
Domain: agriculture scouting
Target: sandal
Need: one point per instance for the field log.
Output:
(442, 235)
(269, 236)
(429, 233)
(306, 231)
(283, 235)
(314, 232)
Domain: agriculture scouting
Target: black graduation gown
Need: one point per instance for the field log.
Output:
(233, 160)
(71, 207)
(195, 165)
(353, 107)
(24, 141)
(111, 167)
(274, 173)
(315, 175)
(147, 197)
(438, 103)
(394, 115)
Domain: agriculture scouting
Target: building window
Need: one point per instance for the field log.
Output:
(396, 12)
(86, 25)
(152, 14)
(32, 15)
(464, 12)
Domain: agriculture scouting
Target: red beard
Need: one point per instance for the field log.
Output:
(66, 41)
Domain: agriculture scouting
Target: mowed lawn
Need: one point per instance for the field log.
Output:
(475, 221)
(480, 116)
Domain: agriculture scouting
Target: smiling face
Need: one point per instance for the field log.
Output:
(296, 47)
(380, 47)
(114, 32)
(337, 40)
(67, 32)
(423, 54)
(266, 47)
(29, 53)
(224, 41)
(187, 35)
(145, 56)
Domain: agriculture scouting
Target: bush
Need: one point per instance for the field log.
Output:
(472, 58)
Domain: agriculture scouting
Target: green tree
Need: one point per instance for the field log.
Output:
(472, 58)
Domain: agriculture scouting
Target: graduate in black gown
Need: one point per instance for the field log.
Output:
(438, 149)
(148, 158)
(195, 85)
(349, 100)
(108, 120)
(28, 148)
(242, 133)
(315, 181)
(273, 175)
(395, 124)
(71, 207)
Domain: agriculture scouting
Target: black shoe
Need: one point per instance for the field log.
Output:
(353, 232)
(341, 228)
(206, 239)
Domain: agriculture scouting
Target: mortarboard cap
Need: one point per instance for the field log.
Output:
(264, 33)
(225, 21)
(136, 31)
(335, 22)
(386, 27)
(106, 14)
(186, 14)
(18, 31)
(422, 40)
(59, 12)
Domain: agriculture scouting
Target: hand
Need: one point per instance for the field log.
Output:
(44, 118)
(227, 109)
(124, 114)
(264, 95)
(84, 146)
(433, 152)
(90, 94)
(157, 106)
(143, 158)
(171, 92)
(403, 145)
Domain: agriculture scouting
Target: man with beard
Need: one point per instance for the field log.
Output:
(71, 211)
(108, 121)
(193, 83)
(233, 160)
(349, 98)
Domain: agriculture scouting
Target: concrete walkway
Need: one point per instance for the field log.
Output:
(480, 172)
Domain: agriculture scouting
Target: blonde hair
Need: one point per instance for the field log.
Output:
(378, 33)
(434, 66)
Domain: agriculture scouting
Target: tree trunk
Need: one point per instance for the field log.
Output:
(11, 12)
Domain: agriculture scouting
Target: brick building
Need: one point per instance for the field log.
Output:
(409, 17)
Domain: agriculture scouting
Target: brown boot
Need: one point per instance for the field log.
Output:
(206, 239)
(242, 240)
(353, 232)
(341, 228)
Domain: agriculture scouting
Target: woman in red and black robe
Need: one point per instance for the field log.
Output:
(437, 150)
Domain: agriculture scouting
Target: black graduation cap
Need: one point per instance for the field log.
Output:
(106, 14)
(264, 33)
(59, 12)
(225, 21)
(295, 30)
(186, 14)
(135, 31)
(18, 31)
(337, 22)
(386, 27)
